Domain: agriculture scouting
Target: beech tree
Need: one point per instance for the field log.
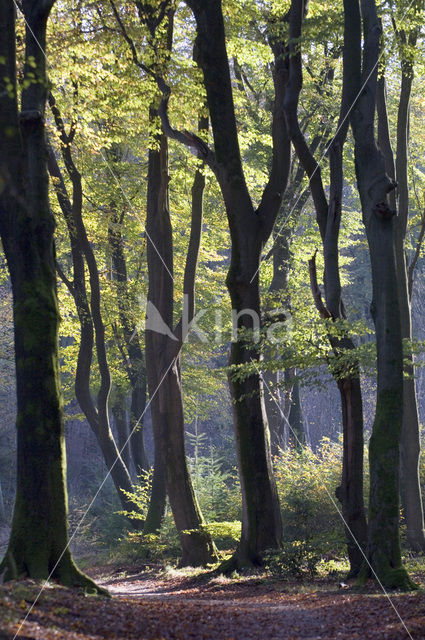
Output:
(375, 188)
(163, 348)
(328, 214)
(396, 164)
(38, 545)
(250, 227)
(92, 329)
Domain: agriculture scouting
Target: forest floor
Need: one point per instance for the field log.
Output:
(151, 603)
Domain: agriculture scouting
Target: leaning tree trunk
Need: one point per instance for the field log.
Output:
(163, 353)
(134, 356)
(38, 545)
(90, 322)
(384, 553)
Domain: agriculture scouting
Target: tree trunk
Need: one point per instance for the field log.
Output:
(134, 356)
(261, 518)
(91, 324)
(410, 447)
(249, 229)
(295, 417)
(350, 492)
(38, 545)
(328, 215)
(119, 413)
(410, 430)
(163, 358)
(373, 183)
(274, 396)
(157, 502)
(137, 409)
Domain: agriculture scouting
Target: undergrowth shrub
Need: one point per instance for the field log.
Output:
(295, 559)
(306, 483)
(217, 489)
(218, 494)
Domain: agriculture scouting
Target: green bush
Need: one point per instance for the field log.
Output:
(296, 559)
(217, 489)
(225, 534)
(306, 483)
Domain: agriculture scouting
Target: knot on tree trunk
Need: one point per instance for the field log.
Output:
(31, 117)
(382, 210)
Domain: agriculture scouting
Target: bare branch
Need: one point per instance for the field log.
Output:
(69, 285)
(317, 295)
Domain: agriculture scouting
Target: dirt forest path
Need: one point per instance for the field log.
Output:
(221, 611)
(151, 607)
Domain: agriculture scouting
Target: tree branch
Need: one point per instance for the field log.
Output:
(271, 200)
(317, 295)
(192, 141)
(290, 106)
(413, 262)
(193, 248)
(65, 280)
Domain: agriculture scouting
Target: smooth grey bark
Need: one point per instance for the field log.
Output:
(374, 185)
(38, 545)
(328, 215)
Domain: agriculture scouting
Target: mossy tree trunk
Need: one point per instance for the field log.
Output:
(374, 185)
(38, 545)
(398, 170)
